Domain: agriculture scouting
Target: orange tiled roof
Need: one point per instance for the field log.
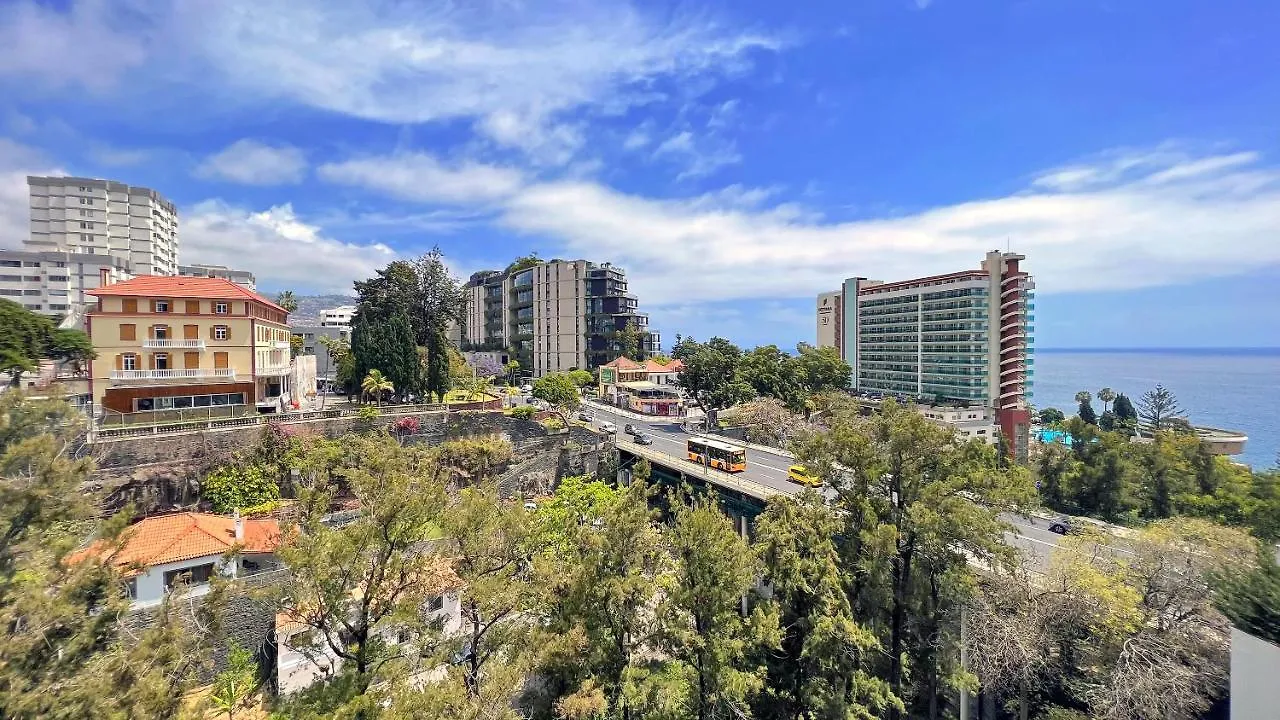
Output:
(655, 366)
(182, 287)
(624, 363)
(182, 536)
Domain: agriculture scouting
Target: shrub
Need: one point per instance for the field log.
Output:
(525, 412)
(406, 426)
(232, 487)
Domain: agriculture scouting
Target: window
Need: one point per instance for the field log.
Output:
(161, 332)
(220, 308)
(84, 213)
(131, 588)
(86, 226)
(31, 292)
(198, 575)
(31, 278)
(219, 332)
(58, 278)
(162, 306)
(162, 361)
(129, 362)
(29, 263)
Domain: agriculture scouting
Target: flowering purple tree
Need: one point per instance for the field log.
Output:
(487, 366)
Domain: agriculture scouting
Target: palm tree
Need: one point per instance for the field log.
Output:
(287, 300)
(1083, 396)
(1106, 395)
(376, 383)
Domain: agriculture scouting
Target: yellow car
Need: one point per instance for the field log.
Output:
(800, 474)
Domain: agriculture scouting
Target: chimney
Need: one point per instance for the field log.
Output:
(239, 523)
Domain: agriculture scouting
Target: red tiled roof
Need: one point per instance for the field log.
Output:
(164, 286)
(182, 536)
(657, 367)
(624, 363)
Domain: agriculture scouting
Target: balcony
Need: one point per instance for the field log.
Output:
(184, 374)
(280, 345)
(165, 344)
(272, 370)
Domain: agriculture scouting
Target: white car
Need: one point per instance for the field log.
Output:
(526, 389)
(608, 427)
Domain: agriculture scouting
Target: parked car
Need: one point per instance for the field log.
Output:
(526, 389)
(631, 429)
(1061, 526)
(531, 506)
(585, 416)
(802, 475)
(642, 439)
(608, 427)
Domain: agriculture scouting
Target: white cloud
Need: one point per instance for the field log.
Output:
(88, 45)
(1216, 216)
(637, 138)
(251, 162)
(507, 66)
(698, 158)
(423, 178)
(17, 161)
(281, 249)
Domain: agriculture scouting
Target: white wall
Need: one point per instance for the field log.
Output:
(1255, 669)
(150, 584)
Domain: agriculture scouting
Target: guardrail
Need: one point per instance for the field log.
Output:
(711, 475)
(176, 374)
(184, 426)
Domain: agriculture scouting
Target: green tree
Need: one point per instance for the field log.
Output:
(1106, 395)
(351, 584)
(703, 626)
(523, 263)
(773, 373)
(822, 369)
(384, 342)
(711, 373)
(512, 367)
(1157, 408)
(476, 388)
(296, 345)
(375, 384)
(490, 541)
(233, 687)
(1085, 412)
(439, 302)
(1251, 598)
(25, 338)
(767, 421)
(287, 300)
(560, 391)
(1124, 408)
(1083, 396)
(581, 378)
(64, 654)
(229, 488)
(918, 507)
(1051, 416)
(820, 667)
(628, 341)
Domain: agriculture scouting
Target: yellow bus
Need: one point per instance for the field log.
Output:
(717, 454)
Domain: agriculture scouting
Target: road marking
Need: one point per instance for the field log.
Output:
(1042, 542)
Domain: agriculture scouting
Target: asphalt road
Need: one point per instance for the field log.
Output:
(1030, 534)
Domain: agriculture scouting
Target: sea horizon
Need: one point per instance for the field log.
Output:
(1157, 350)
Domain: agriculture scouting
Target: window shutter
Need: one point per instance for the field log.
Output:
(228, 332)
(131, 305)
(119, 362)
(193, 307)
(153, 306)
(151, 361)
(151, 331)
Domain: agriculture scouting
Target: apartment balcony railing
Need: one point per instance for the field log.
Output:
(272, 370)
(280, 344)
(165, 344)
(182, 374)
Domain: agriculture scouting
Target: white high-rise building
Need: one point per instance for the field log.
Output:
(104, 217)
(338, 317)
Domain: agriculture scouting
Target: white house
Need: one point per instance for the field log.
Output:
(159, 551)
(304, 657)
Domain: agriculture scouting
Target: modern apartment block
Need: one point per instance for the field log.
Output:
(555, 315)
(964, 336)
(55, 283)
(243, 278)
(191, 346)
(104, 217)
(338, 317)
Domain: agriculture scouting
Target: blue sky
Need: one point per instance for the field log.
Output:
(737, 158)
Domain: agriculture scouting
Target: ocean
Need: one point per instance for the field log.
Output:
(1236, 389)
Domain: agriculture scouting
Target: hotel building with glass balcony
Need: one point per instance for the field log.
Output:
(962, 337)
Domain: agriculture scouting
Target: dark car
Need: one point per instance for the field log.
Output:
(631, 429)
(642, 439)
(1061, 526)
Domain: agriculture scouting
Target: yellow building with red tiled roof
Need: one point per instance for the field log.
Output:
(187, 346)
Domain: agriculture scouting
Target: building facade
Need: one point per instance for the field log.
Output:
(962, 337)
(104, 217)
(338, 317)
(243, 278)
(647, 387)
(326, 366)
(554, 316)
(178, 347)
(55, 283)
